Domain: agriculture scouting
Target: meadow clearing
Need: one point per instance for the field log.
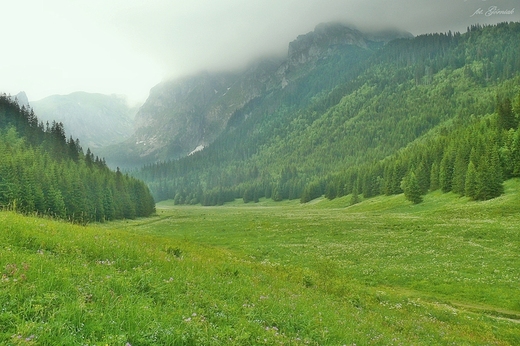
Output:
(381, 272)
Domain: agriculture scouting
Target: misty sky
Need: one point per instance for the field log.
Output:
(127, 46)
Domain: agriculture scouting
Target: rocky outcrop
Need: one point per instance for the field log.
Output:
(21, 99)
(184, 114)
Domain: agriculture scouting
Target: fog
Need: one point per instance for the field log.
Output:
(128, 46)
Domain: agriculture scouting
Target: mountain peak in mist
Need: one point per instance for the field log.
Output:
(21, 99)
(331, 36)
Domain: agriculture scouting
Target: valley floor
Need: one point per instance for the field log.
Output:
(381, 272)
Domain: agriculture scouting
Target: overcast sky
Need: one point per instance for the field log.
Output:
(127, 46)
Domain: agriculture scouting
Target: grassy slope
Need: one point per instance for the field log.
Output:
(380, 272)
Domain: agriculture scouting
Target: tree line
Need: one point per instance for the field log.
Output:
(41, 171)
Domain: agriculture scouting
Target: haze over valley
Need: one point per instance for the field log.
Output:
(126, 48)
(260, 173)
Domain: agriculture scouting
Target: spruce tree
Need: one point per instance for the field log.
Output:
(331, 190)
(434, 177)
(423, 176)
(411, 188)
(516, 109)
(354, 199)
(459, 171)
(489, 176)
(470, 187)
(515, 154)
(248, 195)
(506, 117)
(55, 203)
(446, 171)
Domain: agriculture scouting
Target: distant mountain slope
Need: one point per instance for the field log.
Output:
(182, 115)
(278, 144)
(97, 120)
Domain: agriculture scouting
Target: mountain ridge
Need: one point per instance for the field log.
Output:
(96, 119)
(187, 113)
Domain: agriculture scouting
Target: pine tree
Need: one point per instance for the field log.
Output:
(331, 190)
(515, 154)
(516, 109)
(108, 205)
(423, 176)
(506, 117)
(434, 177)
(248, 195)
(446, 171)
(354, 199)
(55, 203)
(277, 195)
(489, 176)
(470, 188)
(459, 171)
(411, 188)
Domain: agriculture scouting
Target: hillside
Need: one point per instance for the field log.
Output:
(182, 115)
(96, 120)
(286, 143)
(41, 172)
(380, 272)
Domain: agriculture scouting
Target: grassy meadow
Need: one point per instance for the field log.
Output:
(381, 272)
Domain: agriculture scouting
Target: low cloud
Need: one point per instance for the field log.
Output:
(225, 34)
(125, 46)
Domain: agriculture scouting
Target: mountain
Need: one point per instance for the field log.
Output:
(364, 120)
(21, 99)
(183, 114)
(96, 119)
(186, 114)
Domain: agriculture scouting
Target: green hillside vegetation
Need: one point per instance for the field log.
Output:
(471, 160)
(419, 92)
(381, 272)
(42, 172)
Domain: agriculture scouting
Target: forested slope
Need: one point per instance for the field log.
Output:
(431, 86)
(469, 159)
(43, 172)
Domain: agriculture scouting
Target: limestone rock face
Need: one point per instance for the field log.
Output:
(184, 114)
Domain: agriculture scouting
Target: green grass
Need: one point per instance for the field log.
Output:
(381, 272)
